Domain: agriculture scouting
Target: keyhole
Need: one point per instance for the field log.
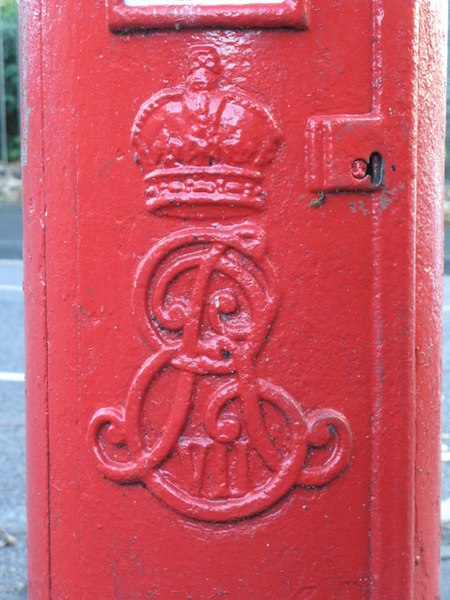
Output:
(375, 169)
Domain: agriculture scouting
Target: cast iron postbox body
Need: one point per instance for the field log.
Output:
(233, 265)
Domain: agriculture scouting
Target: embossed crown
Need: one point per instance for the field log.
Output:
(201, 147)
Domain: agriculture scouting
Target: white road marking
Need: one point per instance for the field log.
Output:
(445, 511)
(5, 287)
(11, 261)
(445, 447)
(17, 377)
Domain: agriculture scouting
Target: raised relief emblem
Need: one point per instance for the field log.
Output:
(199, 428)
(202, 149)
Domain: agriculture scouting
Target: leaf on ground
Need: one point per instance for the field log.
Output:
(6, 539)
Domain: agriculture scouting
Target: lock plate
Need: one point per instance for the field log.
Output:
(333, 145)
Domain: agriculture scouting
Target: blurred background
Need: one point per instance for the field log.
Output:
(12, 430)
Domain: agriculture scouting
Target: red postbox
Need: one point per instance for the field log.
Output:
(233, 265)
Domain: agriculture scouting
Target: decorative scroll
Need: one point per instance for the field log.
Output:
(199, 427)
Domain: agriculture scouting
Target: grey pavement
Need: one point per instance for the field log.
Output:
(447, 250)
(10, 230)
(12, 433)
(12, 412)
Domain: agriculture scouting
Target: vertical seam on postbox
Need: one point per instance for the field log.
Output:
(415, 117)
(379, 541)
(44, 241)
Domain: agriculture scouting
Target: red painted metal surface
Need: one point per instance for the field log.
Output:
(233, 275)
(287, 13)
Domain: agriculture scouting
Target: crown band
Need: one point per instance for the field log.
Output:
(199, 186)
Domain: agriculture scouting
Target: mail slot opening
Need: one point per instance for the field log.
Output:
(132, 15)
(198, 3)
